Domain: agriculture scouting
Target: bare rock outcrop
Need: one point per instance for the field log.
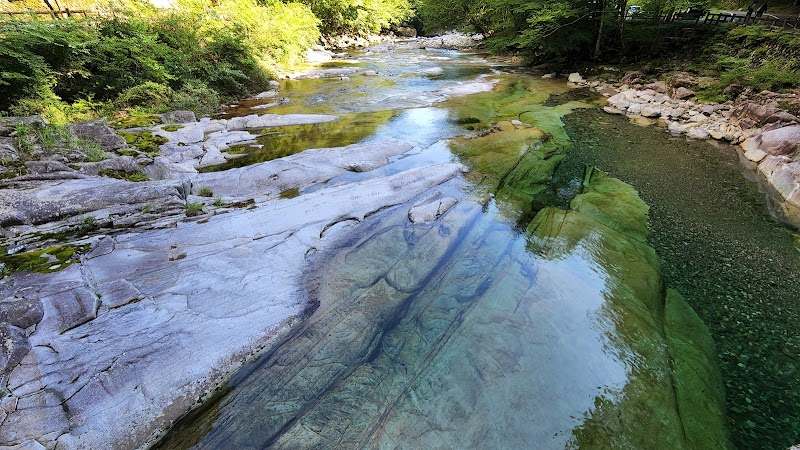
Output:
(147, 324)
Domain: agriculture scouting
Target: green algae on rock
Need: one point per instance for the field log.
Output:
(144, 140)
(48, 260)
(675, 390)
(696, 375)
(524, 141)
(136, 121)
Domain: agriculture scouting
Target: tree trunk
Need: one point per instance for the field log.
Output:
(598, 42)
(623, 8)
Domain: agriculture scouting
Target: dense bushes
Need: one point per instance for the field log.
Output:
(758, 58)
(149, 59)
(360, 17)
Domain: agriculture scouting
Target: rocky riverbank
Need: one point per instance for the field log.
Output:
(768, 134)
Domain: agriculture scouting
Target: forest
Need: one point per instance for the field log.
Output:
(133, 56)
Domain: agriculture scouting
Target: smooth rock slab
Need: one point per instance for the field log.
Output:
(211, 294)
(254, 121)
(464, 333)
(36, 203)
(299, 170)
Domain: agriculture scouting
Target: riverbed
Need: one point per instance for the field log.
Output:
(444, 251)
(452, 364)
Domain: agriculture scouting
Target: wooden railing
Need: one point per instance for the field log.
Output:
(709, 18)
(717, 18)
(48, 14)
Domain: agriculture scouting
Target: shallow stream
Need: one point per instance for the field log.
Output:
(497, 327)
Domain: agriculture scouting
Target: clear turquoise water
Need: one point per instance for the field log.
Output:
(464, 333)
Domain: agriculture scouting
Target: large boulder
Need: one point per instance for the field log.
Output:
(98, 132)
(181, 116)
(9, 124)
(633, 77)
(783, 141)
(406, 32)
(683, 93)
(682, 80)
(8, 149)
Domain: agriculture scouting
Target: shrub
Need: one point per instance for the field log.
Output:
(36, 56)
(194, 209)
(149, 95)
(191, 57)
(205, 191)
(198, 97)
(53, 139)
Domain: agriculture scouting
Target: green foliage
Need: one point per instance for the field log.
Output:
(25, 138)
(148, 95)
(134, 118)
(134, 177)
(290, 193)
(153, 60)
(454, 14)
(218, 202)
(198, 97)
(205, 191)
(35, 56)
(137, 177)
(53, 139)
(759, 58)
(360, 17)
(194, 209)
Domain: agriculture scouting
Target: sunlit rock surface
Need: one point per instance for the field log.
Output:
(777, 154)
(148, 323)
(464, 333)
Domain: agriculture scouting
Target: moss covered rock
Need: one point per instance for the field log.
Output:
(674, 396)
(43, 261)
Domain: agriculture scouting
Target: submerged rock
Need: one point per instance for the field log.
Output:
(676, 394)
(463, 333)
(430, 210)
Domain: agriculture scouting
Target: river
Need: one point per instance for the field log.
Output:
(534, 312)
